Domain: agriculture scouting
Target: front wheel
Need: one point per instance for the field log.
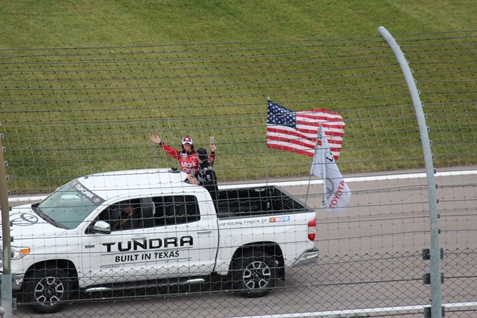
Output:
(254, 274)
(47, 289)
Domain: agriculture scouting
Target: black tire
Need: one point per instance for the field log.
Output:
(254, 274)
(47, 289)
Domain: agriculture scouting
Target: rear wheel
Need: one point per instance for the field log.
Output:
(47, 289)
(254, 274)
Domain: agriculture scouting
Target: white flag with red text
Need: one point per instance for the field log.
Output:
(336, 194)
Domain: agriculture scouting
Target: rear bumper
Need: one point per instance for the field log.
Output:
(308, 257)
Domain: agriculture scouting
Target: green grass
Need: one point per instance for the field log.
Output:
(84, 84)
(123, 23)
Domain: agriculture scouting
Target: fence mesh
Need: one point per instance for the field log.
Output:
(70, 112)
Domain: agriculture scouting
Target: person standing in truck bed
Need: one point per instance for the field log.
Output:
(187, 158)
(205, 176)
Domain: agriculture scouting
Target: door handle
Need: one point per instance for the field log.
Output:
(204, 231)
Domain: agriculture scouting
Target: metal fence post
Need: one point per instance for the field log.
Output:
(6, 285)
(435, 254)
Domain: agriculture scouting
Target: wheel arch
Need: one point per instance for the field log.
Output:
(49, 299)
(271, 248)
(67, 265)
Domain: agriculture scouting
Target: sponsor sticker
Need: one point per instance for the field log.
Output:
(279, 219)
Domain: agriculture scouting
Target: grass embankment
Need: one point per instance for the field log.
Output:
(112, 73)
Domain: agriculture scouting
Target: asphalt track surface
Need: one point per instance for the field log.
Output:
(370, 259)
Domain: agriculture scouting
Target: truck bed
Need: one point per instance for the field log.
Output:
(246, 202)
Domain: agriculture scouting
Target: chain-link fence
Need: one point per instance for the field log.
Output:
(70, 112)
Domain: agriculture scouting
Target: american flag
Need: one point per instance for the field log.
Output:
(297, 130)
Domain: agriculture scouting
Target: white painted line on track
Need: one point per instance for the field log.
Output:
(356, 179)
(307, 182)
(416, 308)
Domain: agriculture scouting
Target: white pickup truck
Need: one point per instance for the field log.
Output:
(69, 242)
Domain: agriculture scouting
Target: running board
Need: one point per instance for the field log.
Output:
(142, 285)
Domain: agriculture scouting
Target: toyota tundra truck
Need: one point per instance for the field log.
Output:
(69, 242)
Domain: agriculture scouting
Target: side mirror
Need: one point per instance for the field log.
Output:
(101, 227)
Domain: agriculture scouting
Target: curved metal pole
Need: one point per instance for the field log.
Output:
(435, 264)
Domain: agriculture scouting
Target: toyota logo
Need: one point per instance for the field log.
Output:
(24, 219)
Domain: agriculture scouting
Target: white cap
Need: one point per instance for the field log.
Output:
(186, 140)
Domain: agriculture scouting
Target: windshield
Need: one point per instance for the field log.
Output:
(69, 205)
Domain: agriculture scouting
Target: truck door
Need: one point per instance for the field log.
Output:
(114, 257)
(182, 237)
(176, 236)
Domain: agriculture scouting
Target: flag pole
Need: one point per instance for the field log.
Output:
(322, 134)
(314, 153)
(267, 159)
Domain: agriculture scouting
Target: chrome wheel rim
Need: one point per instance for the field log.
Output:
(257, 275)
(49, 291)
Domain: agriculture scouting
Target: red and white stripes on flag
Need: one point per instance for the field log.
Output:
(297, 130)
